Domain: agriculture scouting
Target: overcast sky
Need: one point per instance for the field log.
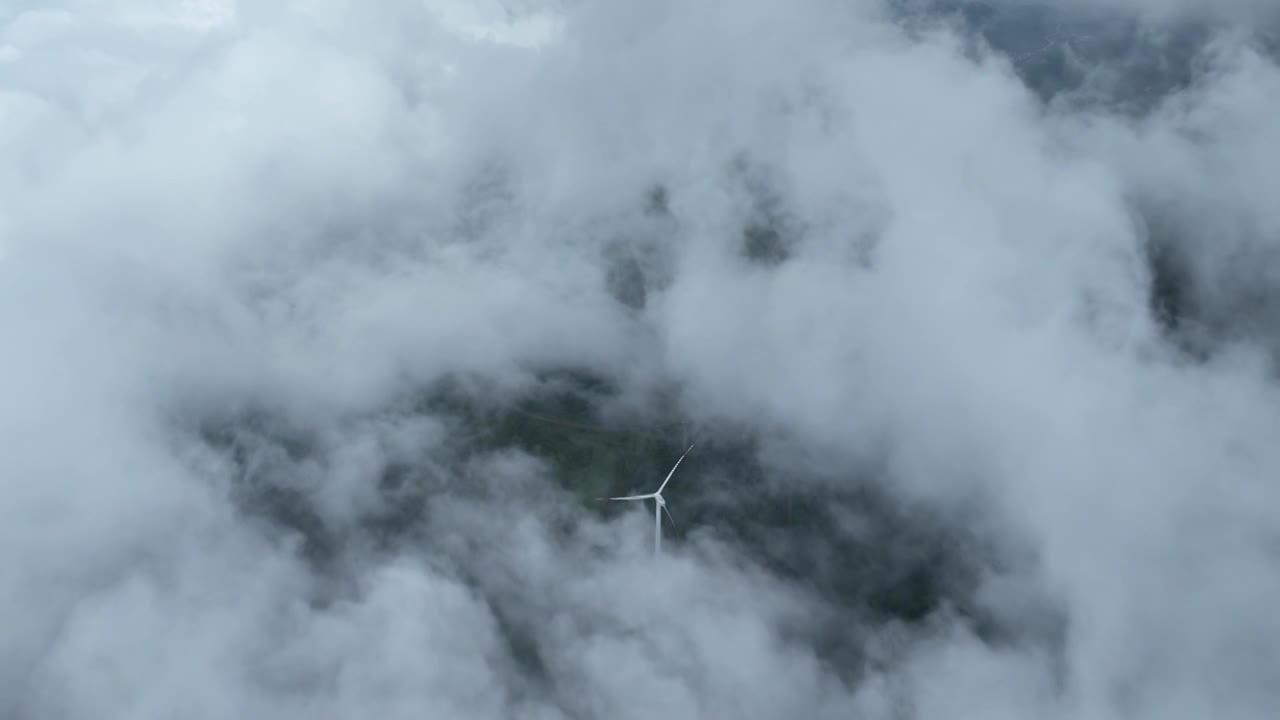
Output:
(904, 251)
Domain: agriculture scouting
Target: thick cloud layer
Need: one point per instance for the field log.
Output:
(324, 323)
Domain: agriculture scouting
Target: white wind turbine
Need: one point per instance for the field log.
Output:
(659, 505)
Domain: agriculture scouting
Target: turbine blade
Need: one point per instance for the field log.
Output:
(673, 471)
(631, 497)
(669, 518)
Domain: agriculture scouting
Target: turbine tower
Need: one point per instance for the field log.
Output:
(659, 505)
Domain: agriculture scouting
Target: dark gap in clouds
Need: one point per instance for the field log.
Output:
(658, 201)
(512, 602)
(565, 419)
(626, 279)
(637, 256)
(1206, 303)
(869, 558)
(1081, 57)
(268, 458)
(1172, 291)
(857, 546)
(771, 234)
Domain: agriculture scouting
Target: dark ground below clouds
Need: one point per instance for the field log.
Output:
(872, 560)
(1083, 57)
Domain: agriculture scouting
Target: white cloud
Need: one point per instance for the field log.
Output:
(286, 220)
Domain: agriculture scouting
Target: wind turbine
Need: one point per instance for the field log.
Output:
(659, 504)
